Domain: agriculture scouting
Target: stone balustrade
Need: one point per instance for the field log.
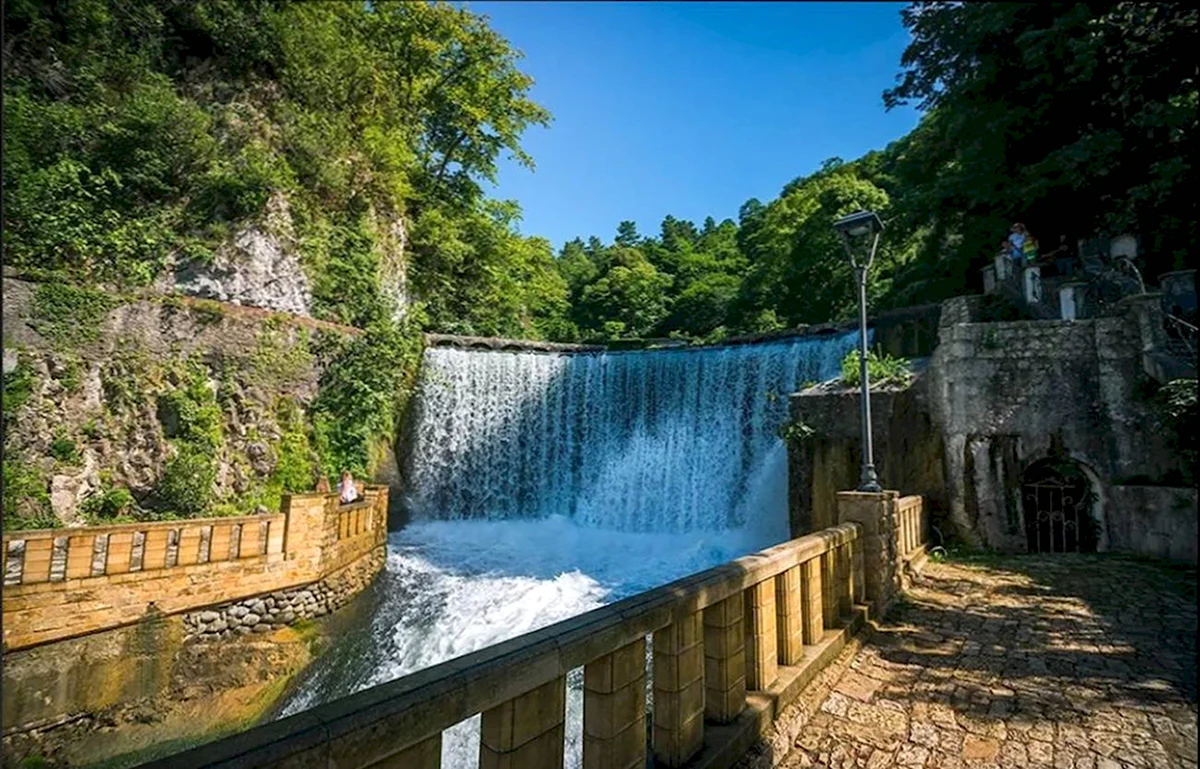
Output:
(910, 512)
(62, 583)
(731, 647)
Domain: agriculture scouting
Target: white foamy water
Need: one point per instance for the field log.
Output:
(549, 485)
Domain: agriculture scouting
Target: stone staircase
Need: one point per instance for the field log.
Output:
(1099, 291)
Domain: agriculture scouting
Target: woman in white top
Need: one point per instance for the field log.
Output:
(347, 491)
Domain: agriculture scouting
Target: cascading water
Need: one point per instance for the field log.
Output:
(546, 485)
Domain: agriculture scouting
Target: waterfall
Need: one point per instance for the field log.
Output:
(547, 485)
(651, 441)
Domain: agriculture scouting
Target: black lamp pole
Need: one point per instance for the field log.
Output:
(853, 229)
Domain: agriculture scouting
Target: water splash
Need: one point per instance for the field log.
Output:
(548, 485)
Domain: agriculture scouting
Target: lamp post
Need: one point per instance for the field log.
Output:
(857, 231)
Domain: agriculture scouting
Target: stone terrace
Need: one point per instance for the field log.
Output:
(1072, 662)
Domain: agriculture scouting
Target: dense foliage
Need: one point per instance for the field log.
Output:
(142, 133)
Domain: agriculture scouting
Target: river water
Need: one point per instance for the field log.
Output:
(547, 485)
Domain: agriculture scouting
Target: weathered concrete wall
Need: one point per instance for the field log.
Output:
(149, 682)
(1153, 520)
(908, 451)
(1005, 395)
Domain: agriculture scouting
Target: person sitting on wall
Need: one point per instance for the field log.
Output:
(323, 485)
(347, 490)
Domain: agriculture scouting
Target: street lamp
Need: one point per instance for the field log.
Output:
(857, 231)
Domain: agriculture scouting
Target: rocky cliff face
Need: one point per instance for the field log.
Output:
(261, 266)
(168, 398)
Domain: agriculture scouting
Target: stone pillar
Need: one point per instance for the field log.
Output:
(1070, 300)
(304, 535)
(724, 660)
(526, 731)
(845, 580)
(989, 279)
(614, 709)
(813, 622)
(1031, 283)
(876, 513)
(1003, 267)
(762, 666)
(789, 617)
(679, 691)
(426, 754)
(1147, 313)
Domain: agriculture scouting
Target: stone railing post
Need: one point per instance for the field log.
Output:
(876, 513)
(724, 660)
(811, 599)
(305, 531)
(789, 623)
(762, 665)
(1003, 267)
(843, 566)
(1032, 284)
(829, 601)
(679, 691)
(614, 710)
(526, 731)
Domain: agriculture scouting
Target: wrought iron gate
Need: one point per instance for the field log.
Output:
(1057, 518)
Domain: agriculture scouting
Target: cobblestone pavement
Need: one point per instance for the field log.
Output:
(1072, 662)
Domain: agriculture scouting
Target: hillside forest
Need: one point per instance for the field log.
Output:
(140, 135)
(141, 132)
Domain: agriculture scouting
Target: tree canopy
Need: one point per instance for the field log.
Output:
(143, 131)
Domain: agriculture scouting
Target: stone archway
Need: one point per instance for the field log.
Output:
(1058, 500)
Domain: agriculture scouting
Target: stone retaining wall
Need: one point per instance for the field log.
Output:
(80, 639)
(264, 613)
(56, 587)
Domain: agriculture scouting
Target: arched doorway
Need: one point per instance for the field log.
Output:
(1057, 500)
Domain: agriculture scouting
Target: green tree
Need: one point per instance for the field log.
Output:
(1032, 105)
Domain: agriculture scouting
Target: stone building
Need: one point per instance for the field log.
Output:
(1021, 435)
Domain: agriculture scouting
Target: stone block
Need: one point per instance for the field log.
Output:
(812, 612)
(614, 671)
(512, 724)
(626, 750)
(607, 714)
(761, 642)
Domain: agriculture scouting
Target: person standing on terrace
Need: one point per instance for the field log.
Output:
(1016, 242)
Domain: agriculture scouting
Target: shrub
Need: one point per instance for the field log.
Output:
(63, 448)
(18, 386)
(1178, 401)
(882, 369)
(187, 482)
(69, 315)
(26, 501)
(108, 504)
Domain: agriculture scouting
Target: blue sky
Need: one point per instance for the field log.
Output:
(690, 109)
